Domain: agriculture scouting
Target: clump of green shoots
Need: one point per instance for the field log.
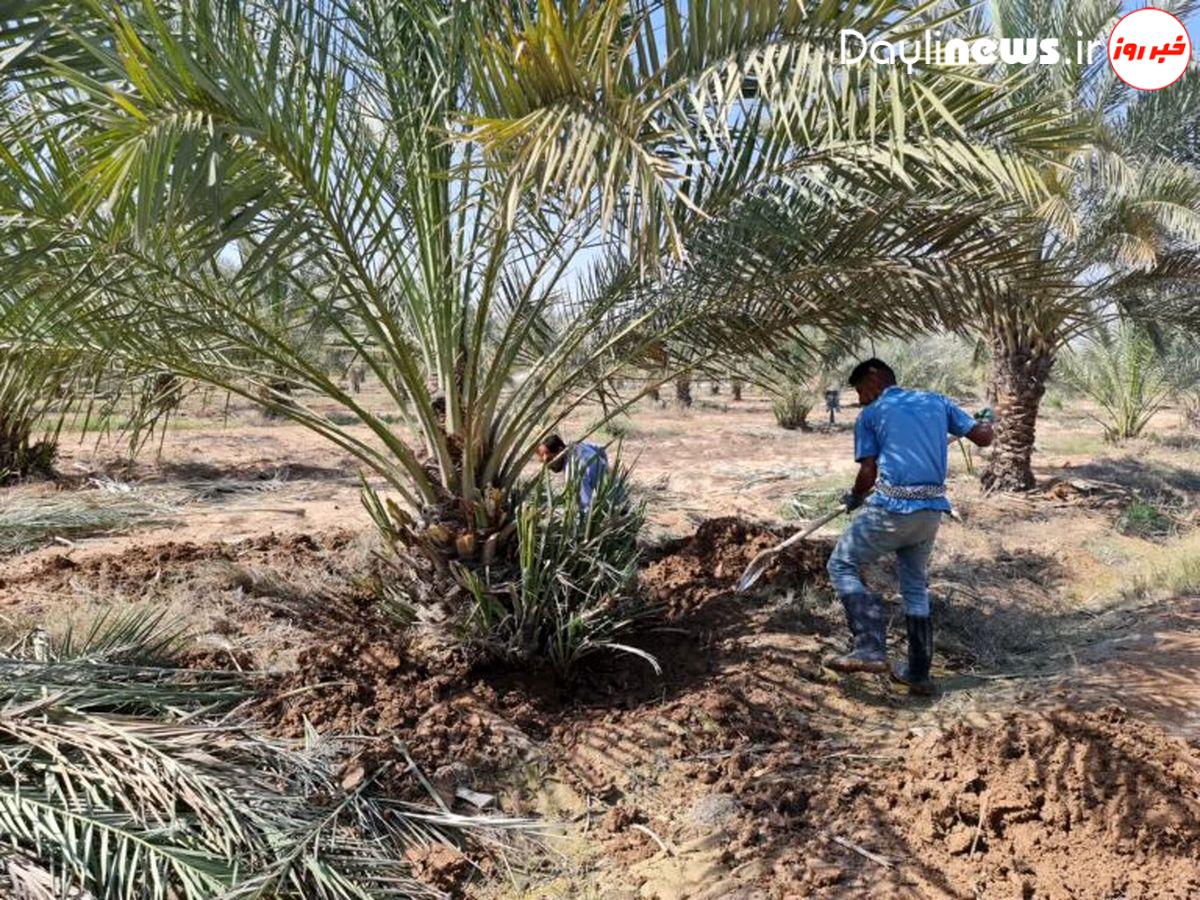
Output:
(1144, 519)
(791, 406)
(574, 591)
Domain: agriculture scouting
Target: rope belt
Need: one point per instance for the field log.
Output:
(911, 491)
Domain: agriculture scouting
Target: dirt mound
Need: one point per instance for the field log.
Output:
(178, 560)
(371, 686)
(439, 866)
(690, 571)
(1061, 804)
(369, 683)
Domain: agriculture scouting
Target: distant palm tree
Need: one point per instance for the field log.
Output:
(1119, 231)
(1126, 375)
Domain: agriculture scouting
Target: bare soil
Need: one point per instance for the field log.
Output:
(1059, 760)
(1053, 803)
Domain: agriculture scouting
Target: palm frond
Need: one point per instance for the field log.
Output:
(118, 781)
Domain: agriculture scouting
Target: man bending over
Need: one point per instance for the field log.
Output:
(587, 460)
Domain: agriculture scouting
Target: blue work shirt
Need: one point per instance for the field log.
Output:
(592, 461)
(905, 431)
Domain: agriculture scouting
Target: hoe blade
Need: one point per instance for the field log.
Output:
(758, 565)
(754, 571)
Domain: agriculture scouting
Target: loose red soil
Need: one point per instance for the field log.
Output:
(440, 866)
(1052, 804)
(689, 572)
(175, 561)
(488, 718)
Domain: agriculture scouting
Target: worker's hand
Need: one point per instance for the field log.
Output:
(851, 501)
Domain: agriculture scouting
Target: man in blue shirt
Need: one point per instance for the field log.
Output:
(900, 446)
(585, 461)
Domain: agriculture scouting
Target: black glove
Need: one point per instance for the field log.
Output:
(852, 501)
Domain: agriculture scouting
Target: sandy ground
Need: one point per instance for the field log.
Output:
(747, 769)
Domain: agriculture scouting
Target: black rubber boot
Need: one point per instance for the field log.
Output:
(915, 673)
(864, 614)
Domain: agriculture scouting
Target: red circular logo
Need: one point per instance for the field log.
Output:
(1149, 49)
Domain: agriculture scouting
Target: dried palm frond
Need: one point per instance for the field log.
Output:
(29, 520)
(117, 781)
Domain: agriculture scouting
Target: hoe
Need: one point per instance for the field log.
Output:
(758, 565)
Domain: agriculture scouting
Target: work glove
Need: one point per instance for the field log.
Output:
(851, 501)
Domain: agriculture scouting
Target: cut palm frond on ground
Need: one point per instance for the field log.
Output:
(119, 780)
(29, 519)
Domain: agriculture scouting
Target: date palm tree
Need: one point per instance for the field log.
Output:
(1126, 375)
(1119, 230)
(508, 207)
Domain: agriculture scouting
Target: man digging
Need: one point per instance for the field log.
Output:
(900, 446)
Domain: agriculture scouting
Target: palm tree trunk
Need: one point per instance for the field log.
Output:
(735, 388)
(1018, 383)
(683, 390)
(21, 457)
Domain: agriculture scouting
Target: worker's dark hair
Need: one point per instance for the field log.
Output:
(554, 444)
(867, 366)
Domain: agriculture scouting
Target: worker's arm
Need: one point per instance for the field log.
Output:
(868, 471)
(866, 452)
(975, 428)
(864, 483)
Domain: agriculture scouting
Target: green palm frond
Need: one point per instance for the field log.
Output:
(1120, 204)
(597, 101)
(1127, 377)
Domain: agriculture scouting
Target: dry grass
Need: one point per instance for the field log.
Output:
(1173, 572)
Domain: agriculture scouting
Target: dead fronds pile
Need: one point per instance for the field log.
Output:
(32, 519)
(120, 778)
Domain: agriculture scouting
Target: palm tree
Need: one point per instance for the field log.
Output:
(29, 389)
(683, 389)
(508, 209)
(1120, 228)
(1126, 375)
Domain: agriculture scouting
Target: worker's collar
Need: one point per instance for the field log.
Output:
(884, 393)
